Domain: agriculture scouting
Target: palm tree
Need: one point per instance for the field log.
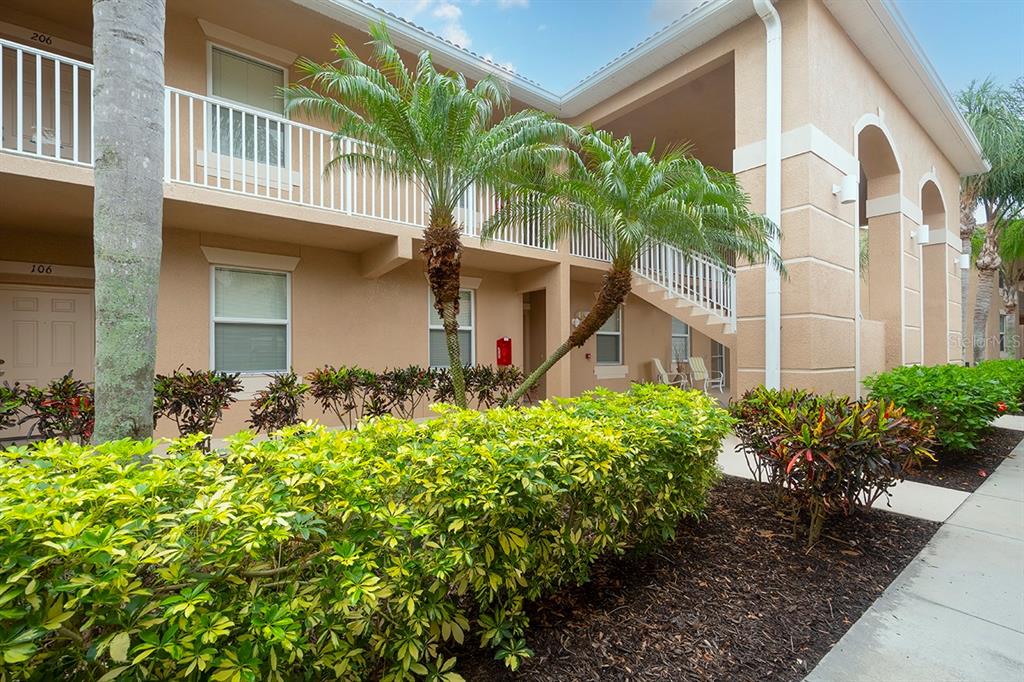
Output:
(996, 115)
(1011, 274)
(632, 201)
(431, 129)
(128, 103)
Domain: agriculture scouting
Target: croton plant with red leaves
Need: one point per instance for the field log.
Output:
(827, 454)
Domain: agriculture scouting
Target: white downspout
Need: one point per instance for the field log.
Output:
(772, 188)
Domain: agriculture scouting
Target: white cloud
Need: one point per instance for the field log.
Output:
(452, 28)
(505, 4)
(417, 7)
(666, 11)
(447, 11)
(455, 33)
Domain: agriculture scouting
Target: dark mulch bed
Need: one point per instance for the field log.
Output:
(967, 471)
(734, 597)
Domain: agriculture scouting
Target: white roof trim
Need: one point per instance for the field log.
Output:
(880, 32)
(875, 26)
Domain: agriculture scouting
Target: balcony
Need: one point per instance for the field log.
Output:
(46, 113)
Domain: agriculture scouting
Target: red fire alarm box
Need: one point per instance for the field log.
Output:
(504, 346)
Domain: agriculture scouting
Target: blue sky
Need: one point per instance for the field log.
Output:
(559, 42)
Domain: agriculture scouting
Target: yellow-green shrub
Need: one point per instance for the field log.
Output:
(321, 554)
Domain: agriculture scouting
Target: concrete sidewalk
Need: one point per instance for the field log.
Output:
(957, 611)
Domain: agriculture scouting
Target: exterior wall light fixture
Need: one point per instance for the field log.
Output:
(921, 235)
(847, 189)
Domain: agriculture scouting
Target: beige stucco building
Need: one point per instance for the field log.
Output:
(826, 110)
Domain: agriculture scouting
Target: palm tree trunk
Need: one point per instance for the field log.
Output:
(967, 226)
(1010, 295)
(988, 264)
(450, 316)
(616, 284)
(442, 249)
(128, 96)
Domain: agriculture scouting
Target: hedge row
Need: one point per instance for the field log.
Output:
(195, 400)
(959, 402)
(321, 554)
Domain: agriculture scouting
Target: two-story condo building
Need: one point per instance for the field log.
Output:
(826, 110)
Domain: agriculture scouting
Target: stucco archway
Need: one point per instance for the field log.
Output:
(936, 271)
(882, 301)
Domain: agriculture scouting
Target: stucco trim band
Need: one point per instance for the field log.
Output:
(806, 138)
(250, 259)
(240, 40)
(611, 371)
(894, 203)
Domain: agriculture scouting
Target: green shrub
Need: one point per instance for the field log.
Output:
(61, 409)
(319, 554)
(960, 402)
(12, 401)
(1010, 373)
(194, 400)
(486, 386)
(279, 404)
(826, 455)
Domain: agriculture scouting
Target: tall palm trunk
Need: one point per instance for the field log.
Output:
(442, 249)
(967, 227)
(128, 96)
(1010, 295)
(988, 265)
(616, 284)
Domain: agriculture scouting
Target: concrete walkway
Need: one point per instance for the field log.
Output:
(957, 611)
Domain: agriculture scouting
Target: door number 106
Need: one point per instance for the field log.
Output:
(40, 269)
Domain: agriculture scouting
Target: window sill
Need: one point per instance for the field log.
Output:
(611, 371)
(253, 383)
(260, 173)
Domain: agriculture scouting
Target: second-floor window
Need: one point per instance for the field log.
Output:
(254, 131)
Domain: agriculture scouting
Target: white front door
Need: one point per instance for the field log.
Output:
(44, 333)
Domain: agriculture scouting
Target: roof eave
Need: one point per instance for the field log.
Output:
(880, 32)
(408, 36)
(875, 26)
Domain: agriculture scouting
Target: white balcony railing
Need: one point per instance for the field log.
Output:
(45, 104)
(226, 146)
(46, 111)
(693, 278)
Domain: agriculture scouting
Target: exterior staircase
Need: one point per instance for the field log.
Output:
(690, 288)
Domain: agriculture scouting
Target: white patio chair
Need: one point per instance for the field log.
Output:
(699, 372)
(670, 378)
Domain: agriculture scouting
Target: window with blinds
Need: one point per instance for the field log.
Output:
(720, 359)
(609, 340)
(251, 320)
(244, 134)
(438, 348)
(245, 80)
(680, 341)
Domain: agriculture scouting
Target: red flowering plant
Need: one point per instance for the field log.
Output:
(62, 409)
(1001, 406)
(824, 454)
